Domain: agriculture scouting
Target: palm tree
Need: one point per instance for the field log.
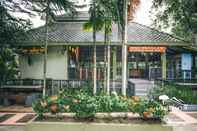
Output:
(101, 18)
(108, 12)
(125, 12)
(50, 7)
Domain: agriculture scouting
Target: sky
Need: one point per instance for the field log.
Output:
(142, 15)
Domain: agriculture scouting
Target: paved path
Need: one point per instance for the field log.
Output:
(12, 121)
(142, 86)
(181, 121)
(16, 109)
(12, 128)
(177, 116)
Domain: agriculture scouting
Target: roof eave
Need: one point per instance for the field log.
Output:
(111, 43)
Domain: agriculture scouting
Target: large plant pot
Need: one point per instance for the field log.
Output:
(62, 126)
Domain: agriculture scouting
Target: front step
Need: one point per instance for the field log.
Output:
(142, 86)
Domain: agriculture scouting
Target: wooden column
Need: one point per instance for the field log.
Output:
(146, 66)
(114, 67)
(164, 65)
(193, 66)
(67, 62)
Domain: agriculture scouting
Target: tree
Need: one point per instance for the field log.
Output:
(101, 19)
(126, 12)
(11, 31)
(50, 8)
(108, 12)
(180, 15)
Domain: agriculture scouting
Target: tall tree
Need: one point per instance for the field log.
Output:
(124, 48)
(102, 20)
(126, 11)
(11, 31)
(50, 7)
(179, 15)
(109, 12)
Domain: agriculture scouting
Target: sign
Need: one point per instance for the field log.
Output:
(186, 61)
(147, 49)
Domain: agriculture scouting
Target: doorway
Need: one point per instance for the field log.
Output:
(145, 65)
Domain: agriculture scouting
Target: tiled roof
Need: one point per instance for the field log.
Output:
(72, 32)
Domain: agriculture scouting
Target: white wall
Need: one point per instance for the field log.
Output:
(56, 64)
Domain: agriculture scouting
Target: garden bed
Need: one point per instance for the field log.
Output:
(121, 118)
(83, 111)
(86, 105)
(78, 126)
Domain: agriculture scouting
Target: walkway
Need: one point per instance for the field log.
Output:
(181, 121)
(15, 119)
(16, 109)
(142, 86)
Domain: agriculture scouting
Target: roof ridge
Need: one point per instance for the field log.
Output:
(175, 37)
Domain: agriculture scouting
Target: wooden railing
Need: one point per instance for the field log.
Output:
(23, 82)
(190, 83)
(53, 86)
(193, 80)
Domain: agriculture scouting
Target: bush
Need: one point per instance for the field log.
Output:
(113, 103)
(184, 93)
(85, 105)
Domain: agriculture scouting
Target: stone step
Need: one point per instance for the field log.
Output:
(142, 86)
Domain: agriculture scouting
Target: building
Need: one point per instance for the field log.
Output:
(151, 54)
(70, 50)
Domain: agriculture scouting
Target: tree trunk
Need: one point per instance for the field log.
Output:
(94, 56)
(94, 65)
(114, 67)
(45, 51)
(108, 68)
(105, 60)
(124, 51)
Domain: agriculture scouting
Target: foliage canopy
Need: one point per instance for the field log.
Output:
(181, 15)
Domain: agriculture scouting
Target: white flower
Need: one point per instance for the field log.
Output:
(163, 98)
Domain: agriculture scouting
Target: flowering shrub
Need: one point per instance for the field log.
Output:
(85, 105)
(148, 109)
(111, 103)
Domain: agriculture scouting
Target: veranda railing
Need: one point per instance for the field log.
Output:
(54, 86)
